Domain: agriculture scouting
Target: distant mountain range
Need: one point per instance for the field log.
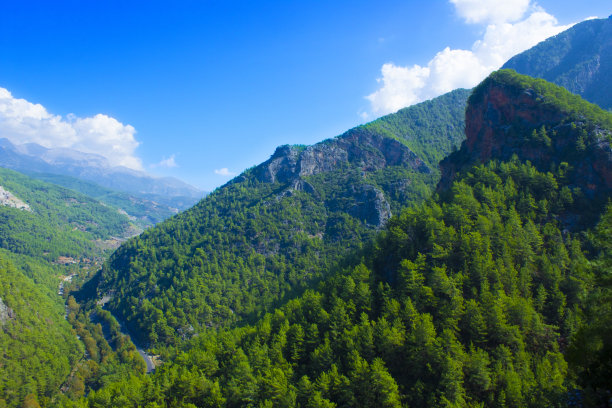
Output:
(578, 59)
(146, 198)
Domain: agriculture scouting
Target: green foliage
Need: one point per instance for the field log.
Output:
(38, 345)
(60, 223)
(431, 129)
(462, 301)
(233, 256)
(250, 245)
(590, 351)
(472, 298)
(40, 350)
(553, 96)
(144, 212)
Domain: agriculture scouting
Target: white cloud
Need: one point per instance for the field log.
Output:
(167, 162)
(224, 172)
(456, 68)
(491, 11)
(24, 122)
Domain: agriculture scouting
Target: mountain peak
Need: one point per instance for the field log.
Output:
(579, 59)
(369, 151)
(510, 114)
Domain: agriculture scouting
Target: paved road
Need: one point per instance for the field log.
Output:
(143, 354)
(147, 359)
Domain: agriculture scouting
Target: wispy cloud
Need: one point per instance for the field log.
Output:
(224, 172)
(22, 122)
(167, 162)
(512, 26)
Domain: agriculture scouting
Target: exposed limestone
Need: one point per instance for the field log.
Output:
(8, 199)
(6, 312)
(357, 149)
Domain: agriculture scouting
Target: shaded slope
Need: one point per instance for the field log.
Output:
(579, 59)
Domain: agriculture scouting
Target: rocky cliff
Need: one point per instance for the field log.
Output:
(514, 115)
(356, 150)
(357, 147)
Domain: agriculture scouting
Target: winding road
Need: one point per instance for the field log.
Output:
(146, 357)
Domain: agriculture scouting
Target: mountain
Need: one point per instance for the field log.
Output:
(168, 193)
(505, 118)
(141, 211)
(479, 296)
(47, 221)
(51, 238)
(273, 230)
(579, 59)
(39, 347)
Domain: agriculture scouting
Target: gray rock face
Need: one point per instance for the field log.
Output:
(6, 312)
(371, 206)
(357, 149)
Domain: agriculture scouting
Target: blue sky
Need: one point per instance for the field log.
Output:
(202, 90)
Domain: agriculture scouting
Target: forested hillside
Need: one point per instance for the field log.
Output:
(57, 222)
(275, 229)
(38, 345)
(484, 295)
(49, 236)
(143, 212)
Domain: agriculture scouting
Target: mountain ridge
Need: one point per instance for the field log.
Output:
(33, 158)
(283, 222)
(579, 59)
(472, 297)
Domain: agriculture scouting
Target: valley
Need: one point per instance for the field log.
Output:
(455, 253)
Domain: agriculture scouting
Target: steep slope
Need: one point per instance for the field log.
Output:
(508, 115)
(579, 59)
(48, 235)
(38, 345)
(33, 159)
(56, 222)
(469, 299)
(268, 233)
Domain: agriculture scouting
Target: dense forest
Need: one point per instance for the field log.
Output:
(493, 292)
(350, 273)
(38, 346)
(267, 235)
(50, 238)
(464, 301)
